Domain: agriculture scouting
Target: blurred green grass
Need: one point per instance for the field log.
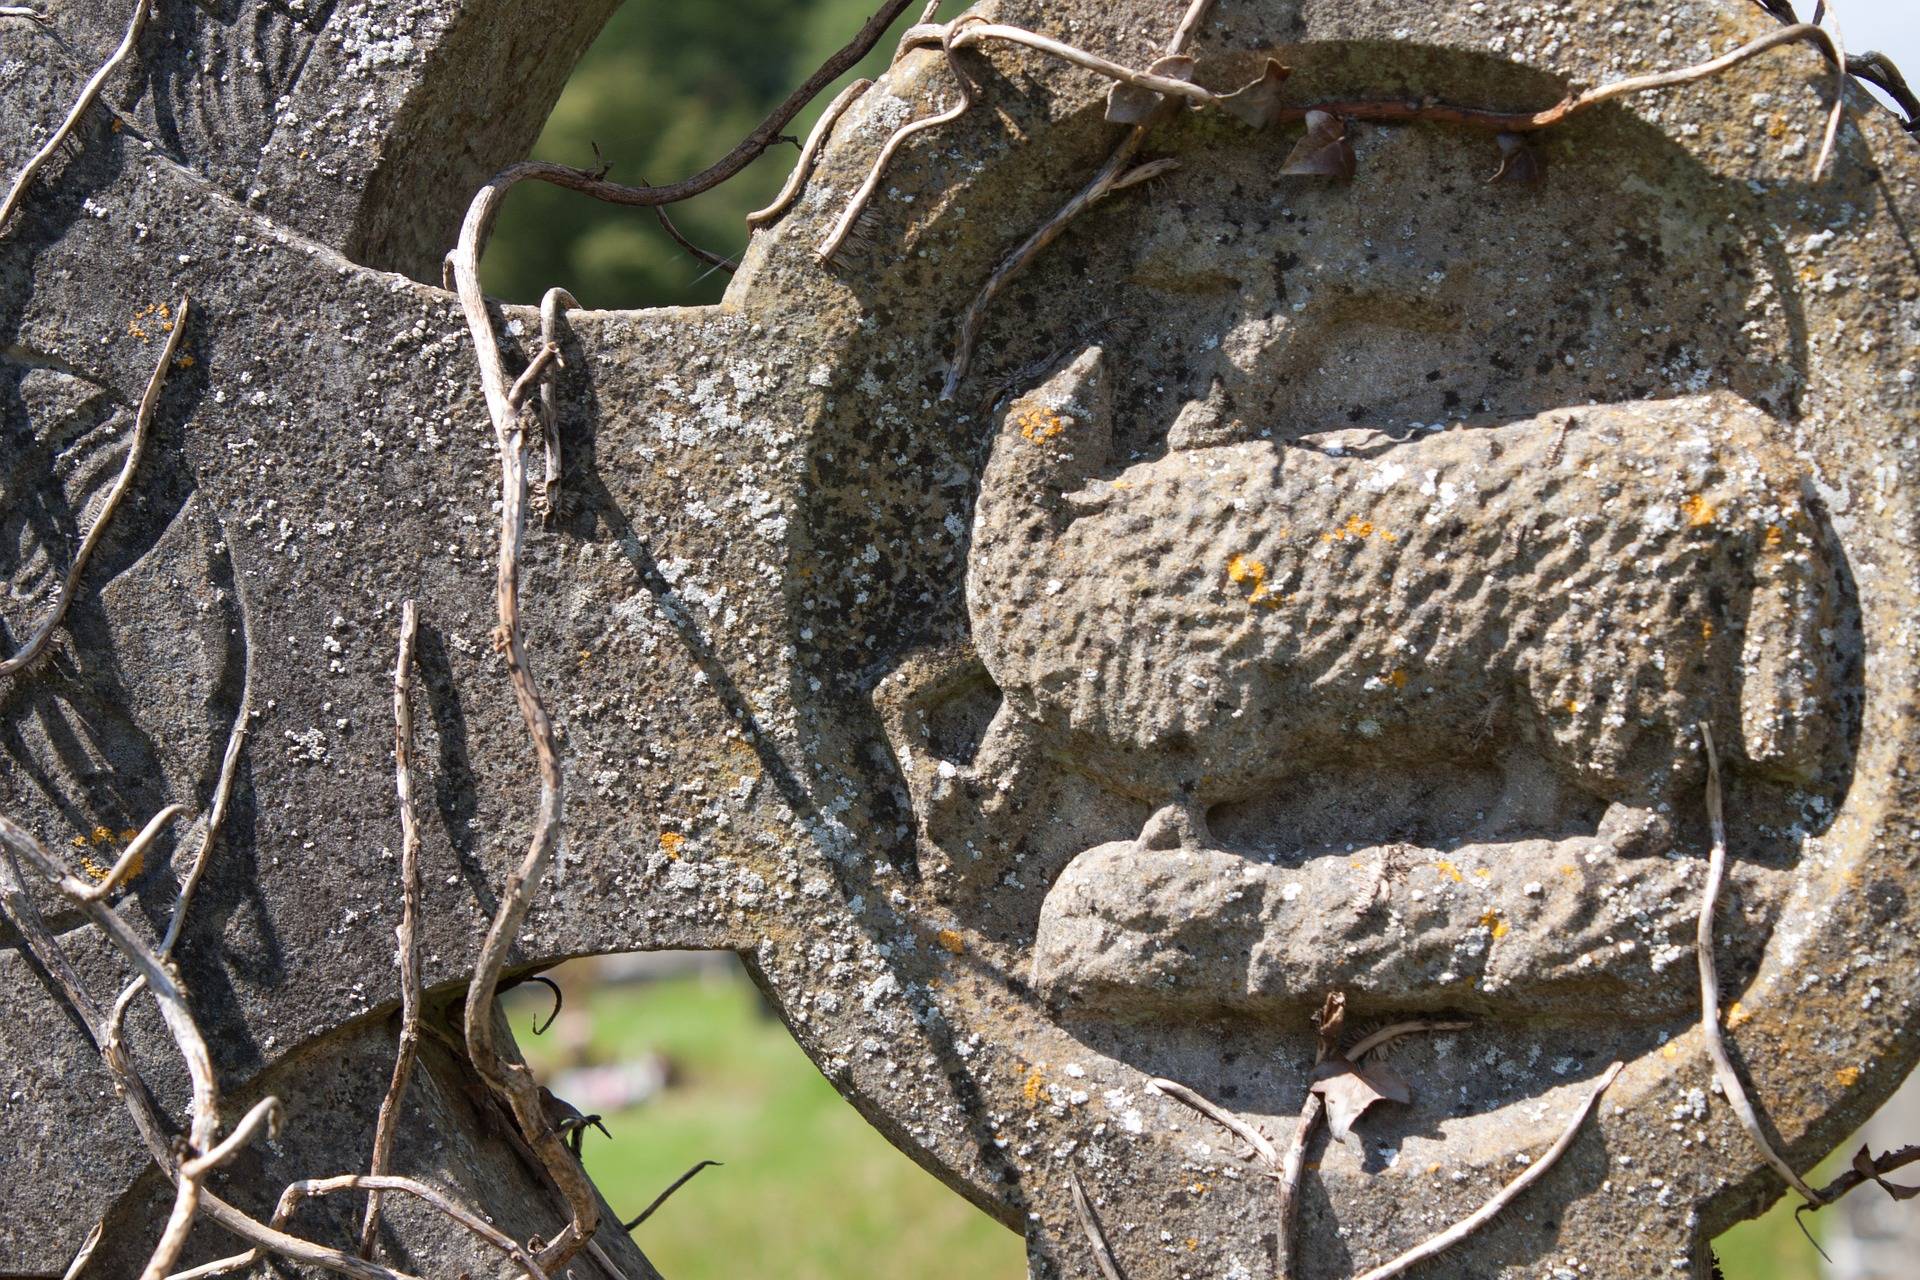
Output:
(808, 1191)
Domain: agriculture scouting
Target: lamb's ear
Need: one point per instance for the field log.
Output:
(1053, 439)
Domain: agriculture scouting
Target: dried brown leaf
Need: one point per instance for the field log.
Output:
(1257, 101)
(1324, 151)
(1132, 103)
(1866, 1167)
(1350, 1089)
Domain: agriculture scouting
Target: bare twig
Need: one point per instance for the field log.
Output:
(810, 153)
(558, 1001)
(1118, 173)
(719, 262)
(1460, 1230)
(857, 204)
(1221, 1116)
(41, 16)
(434, 1197)
(88, 93)
(1388, 1034)
(1083, 1209)
(1877, 68)
(222, 793)
(134, 855)
(87, 1246)
(142, 417)
(265, 1114)
(552, 500)
(506, 406)
(661, 1199)
(105, 1034)
(204, 1109)
(1710, 983)
(387, 1127)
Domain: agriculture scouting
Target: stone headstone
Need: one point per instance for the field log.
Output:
(1313, 586)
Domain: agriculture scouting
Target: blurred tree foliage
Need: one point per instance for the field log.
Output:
(667, 89)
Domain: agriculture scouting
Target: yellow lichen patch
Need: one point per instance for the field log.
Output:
(1573, 706)
(1482, 872)
(1774, 537)
(1737, 1014)
(158, 312)
(1040, 425)
(1397, 677)
(1450, 871)
(1777, 126)
(1706, 630)
(1035, 1085)
(950, 940)
(671, 842)
(1670, 1051)
(1357, 529)
(1198, 1188)
(103, 835)
(1698, 510)
(1192, 1244)
(183, 362)
(1493, 924)
(1245, 571)
(128, 833)
(1847, 1076)
(1569, 871)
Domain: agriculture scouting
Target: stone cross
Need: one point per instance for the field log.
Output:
(1313, 586)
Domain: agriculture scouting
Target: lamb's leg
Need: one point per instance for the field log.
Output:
(971, 812)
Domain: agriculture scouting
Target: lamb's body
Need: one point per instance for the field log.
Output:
(1216, 619)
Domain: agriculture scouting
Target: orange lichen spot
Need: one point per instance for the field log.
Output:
(1245, 571)
(1434, 1167)
(1572, 706)
(1698, 510)
(1494, 925)
(1737, 1015)
(1198, 1188)
(117, 124)
(671, 843)
(1357, 529)
(183, 362)
(1040, 425)
(104, 835)
(1397, 677)
(1670, 1051)
(1450, 871)
(1774, 537)
(79, 842)
(1847, 1076)
(1569, 871)
(1035, 1085)
(951, 941)
(127, 834)
(1706, 629)
(1192, 1244)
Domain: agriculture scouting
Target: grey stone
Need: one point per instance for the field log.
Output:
(788, 732)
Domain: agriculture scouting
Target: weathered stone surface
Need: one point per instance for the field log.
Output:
(757, 633)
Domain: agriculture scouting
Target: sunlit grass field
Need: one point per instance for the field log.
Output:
(807, 1190)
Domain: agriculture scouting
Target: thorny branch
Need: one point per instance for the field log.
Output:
(88, 93)
(387, 1127)
(1723, 1070)
(1873, 67)
(143, 417)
